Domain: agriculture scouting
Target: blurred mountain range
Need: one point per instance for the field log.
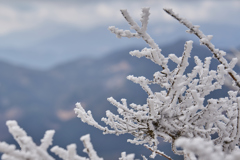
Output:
(42, 100)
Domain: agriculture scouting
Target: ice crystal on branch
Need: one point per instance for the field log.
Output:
(71, 153)
(178, 110)
(205, 150)
(28, 149)
(205, 40)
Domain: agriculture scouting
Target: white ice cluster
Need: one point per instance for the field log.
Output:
(178, 110)
(71, 153)
(30, 151)
(198, 148)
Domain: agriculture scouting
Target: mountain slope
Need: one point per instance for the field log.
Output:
(42, 100)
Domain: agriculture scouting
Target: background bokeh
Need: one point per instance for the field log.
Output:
(54, 53)
(44, 33)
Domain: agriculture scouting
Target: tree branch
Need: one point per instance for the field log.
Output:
(218, 54)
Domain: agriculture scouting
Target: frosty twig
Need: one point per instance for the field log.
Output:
(178, 110)
(218, 54)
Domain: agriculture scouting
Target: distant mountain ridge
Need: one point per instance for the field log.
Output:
(42, 100)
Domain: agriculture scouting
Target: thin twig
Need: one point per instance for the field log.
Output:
(158, 152)
(216, 52)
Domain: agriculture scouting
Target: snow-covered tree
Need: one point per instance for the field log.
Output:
(177, 113)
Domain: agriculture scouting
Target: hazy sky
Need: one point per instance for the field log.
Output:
(33, 28)
(25, 14)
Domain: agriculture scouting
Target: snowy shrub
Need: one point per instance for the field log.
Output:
(30, 151)
(177, 113)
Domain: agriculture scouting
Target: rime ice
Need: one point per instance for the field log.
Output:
(178, 111)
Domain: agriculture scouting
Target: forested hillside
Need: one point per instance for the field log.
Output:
(41, 100)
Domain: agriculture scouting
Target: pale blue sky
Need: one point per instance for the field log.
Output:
(41, 33)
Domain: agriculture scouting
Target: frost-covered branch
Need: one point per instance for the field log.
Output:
(28, 149)
(125, 156)
(89, 148)
(71, 153)
(205, 40)
(155, 52)
(198, 148)
(180, 109)
(158, 152)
